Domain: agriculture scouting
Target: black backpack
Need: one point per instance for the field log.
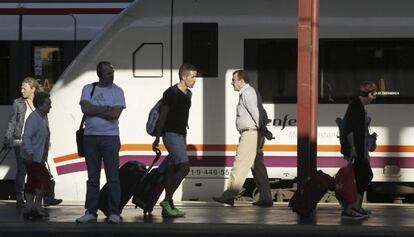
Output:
(342, 137)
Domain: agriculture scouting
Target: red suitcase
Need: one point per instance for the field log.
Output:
(304, 200)
(345, 185)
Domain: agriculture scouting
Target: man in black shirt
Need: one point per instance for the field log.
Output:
(172, 126)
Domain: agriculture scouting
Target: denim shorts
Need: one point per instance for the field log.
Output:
(176, 145)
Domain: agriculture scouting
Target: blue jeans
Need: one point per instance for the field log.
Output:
(20, 174)
(106, 149)
(176, 145)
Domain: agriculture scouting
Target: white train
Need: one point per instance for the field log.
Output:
(150, 39)
(41, 38)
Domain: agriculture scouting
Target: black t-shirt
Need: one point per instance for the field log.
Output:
(178, 105)
(355, 122)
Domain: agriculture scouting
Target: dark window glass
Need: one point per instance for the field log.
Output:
(344, 64)
(389, 63)
(4, 73)
(273, 64)
(200, 47)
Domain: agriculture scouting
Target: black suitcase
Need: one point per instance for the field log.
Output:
(130, 174)
(151, 187)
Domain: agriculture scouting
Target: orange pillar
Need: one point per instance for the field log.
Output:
(307, 109)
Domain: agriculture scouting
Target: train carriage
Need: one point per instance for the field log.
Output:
(149, 40)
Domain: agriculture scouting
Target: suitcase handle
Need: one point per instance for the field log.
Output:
(157, 157)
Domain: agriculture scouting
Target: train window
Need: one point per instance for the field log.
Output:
(4, 73)
(47, 63)
(346, 63)
(200, 47)
(272, 66)
(148, 60)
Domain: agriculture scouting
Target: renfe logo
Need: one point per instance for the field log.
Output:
(285, 121)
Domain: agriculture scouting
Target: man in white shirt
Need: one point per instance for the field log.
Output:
(102, 108)
(250, 124)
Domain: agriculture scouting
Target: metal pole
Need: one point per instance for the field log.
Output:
(307, 109)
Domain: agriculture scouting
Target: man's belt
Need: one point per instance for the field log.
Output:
(248, 129)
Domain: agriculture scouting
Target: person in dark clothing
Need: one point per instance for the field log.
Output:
(356, 149)
(172, 126)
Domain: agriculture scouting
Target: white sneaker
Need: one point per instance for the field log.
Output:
(114, 219)
(87, 218)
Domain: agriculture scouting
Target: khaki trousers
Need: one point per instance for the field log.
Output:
(249, 155)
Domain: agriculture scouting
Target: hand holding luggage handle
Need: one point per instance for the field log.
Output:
(157, 157)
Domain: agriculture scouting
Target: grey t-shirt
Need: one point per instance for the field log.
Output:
(103, 96)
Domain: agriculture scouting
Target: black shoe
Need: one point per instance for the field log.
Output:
(353, 216)
(228, 201)
(48, 201)
(263, 204)
(20, 203)
(34, 215)
(362, 211)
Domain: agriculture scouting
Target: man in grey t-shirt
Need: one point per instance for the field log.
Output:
(102, 108)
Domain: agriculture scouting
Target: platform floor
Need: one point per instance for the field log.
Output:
(213, 219)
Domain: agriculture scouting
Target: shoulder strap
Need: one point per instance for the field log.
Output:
(84, 116)
(48, 169)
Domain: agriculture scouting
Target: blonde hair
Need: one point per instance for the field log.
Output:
(367, 87)
(33, 83)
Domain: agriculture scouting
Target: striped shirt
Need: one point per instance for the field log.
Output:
(247, 110)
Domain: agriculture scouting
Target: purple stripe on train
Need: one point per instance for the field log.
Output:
(270, 161)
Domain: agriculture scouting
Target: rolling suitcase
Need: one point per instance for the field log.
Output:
(130, 174)
(304, 200)
(152, 185)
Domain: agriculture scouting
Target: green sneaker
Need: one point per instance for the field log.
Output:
(179, 212)
(168, 211)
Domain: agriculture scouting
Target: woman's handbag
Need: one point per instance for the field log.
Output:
(372, 142)
(81, 130)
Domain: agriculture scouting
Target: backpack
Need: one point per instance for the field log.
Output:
(153, 117)
(341, 126)
(342, 137)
